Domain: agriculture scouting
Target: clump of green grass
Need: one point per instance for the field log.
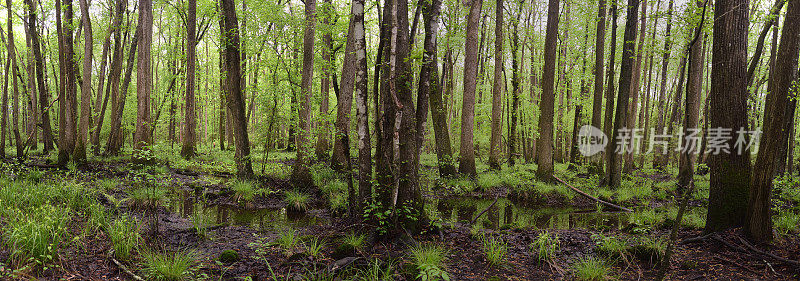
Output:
(201, 221)
(313, 247)
(147, 197)
(591, 269)
(107, 184)
(322, 174)
(34, 175)
(287, 240)
(97, 218)
(277, 170)
(495, 249)
(545, 246)
(247, 190)
(164, 266)
(649, 249)
(296, 200)
(429, 260)
(611, 247)
(124, 236)
(336, 193)
(459, 185)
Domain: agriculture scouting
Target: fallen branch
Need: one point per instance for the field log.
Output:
(484, 211)
(792, 262)
(592, 197)
(124, 268)
(696, 239)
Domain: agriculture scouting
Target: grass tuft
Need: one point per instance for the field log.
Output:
(164, 266)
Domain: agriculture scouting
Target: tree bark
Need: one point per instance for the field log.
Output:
(143, 137)
(430, 87)
(235, 105)
(608, 125)
(466, 164)
(102, 99)
(497, 89)
(362, 110)
(614, 177)
(114, 144)
(599, 55)
(188, 149)
(345, 103)
(323, 141)
(69, 98)
(694, 88)
(660, 159)
(758, 224)
(79, 154)
(730, 172)
(544, 146)
(633, 106)
(11, 64)
(301, 173)
(44, 96)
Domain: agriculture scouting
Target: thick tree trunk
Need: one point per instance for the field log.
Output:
(730, 172)
(235, 105)
(188, 148)
(301, 173)
(386, 117)
(69, 98)
(432, 88)
(143, 137)
(466, 164)
(497, 90)
(544, 146)
(758, 224)
(633, 106)
(362, 110)
(79, 154)
(345, 103)
(515, 89)
(614, 177)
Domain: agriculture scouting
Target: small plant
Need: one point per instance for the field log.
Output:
(349, 245)
(247, 191)
(124, 236)
(313, 247)
(288, 240)
(36, 236)
(147, 197)
(201, 221)
(495, 249)
(322, 174)
(97, 217)
(297, 201)
(545, 246)
(107, 184)
(429, 261)
(176, 266)
(649, 249)
(34, 175)
(590, 269)
(786, 222)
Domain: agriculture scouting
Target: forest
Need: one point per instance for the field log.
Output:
(399, 140)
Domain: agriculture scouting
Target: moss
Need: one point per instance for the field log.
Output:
(229, 256)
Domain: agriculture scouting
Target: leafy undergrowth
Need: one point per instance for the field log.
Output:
(57, 224)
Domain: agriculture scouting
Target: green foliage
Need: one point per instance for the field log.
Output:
(429, 260)
(164, 266)
(247, 190)
(107, 184)
(545, 246)
(201, 221)
(124, 236)
(97, 218)
(296, 200)
(322, 174)
(313, 247)
(649, 249)
(495, 249)
(287, 240)
(459, 185)
(36, 234)
(591, 269)
(147, 197)
(376, 270)
(356, 241)
(786, 222)
(336, 192)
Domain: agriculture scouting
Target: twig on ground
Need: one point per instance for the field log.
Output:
(592, 197)
(124, 268)
(484, 211)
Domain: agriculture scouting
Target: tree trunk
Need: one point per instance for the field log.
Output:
(659, 158)
(694, 88)
(44, 96)
(362, 110)
(758, 224)
(515, 89)
(634, 95)
(608, 125)
(301, 173)
(323, 141)
(102, 99)
(730, 172)
(466, 164)
(116, 137)
(79, 154)
(430, 86)
(497, 90)
(345, 103)
(11, 64)
(386, 115)
(614, 177)
(188, 149)
(235, 105)
(544, 146)
(69, 98)
(143, 137)
(597, 101)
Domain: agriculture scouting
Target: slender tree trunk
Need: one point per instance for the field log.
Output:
(772, 19)
(362, 110)
(497, 90)
(116, 136)
(608, 125)
(384, 156)
(660, 159)
(323, 141)
(430, 86)
(625, 87)
(597, 101)
(235, 105)
(11, 65)
(44, 96)
(694, 88)
(544, 146)
(345, 103)
(102, 99)
(466, 164)
(515, 89)
(730, 172)
(86, 87)
(67, 142)
(188, 149)
(301, 173)
(633, 107)
(758, 224)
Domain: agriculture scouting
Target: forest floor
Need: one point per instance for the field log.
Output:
(501, 226)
